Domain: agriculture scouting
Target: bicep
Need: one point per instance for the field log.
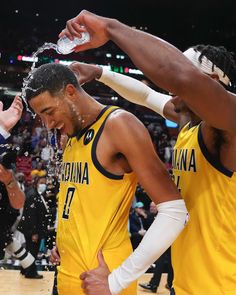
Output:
(209, 100)
(136, 145)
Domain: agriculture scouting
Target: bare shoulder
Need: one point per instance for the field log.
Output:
(123, 119)
(126, 129)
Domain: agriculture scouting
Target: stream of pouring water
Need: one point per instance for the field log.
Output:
(26, 81)
(52, 169)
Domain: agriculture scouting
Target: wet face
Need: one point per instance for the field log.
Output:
(57, 112)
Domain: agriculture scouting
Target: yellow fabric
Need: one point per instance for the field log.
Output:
(204, 255)
(39, 173)
(97, 216)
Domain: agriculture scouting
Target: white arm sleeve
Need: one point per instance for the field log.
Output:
(170, 221)
(135, 91)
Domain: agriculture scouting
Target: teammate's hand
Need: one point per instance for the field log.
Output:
(94, 24)
(85, 72)
(12, 115)
(55, 257)
(95, 282)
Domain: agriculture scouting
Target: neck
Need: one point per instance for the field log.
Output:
(189, 117)
(89, 109)
(194, 119)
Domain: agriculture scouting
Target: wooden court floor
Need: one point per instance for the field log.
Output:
(12, 283)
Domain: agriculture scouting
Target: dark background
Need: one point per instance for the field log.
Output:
(182, 22)
(26, 25)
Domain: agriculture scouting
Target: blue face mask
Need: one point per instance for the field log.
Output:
(41, 188)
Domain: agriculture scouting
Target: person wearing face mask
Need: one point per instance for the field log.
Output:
(34, 221)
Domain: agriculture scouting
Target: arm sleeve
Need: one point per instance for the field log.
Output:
(135, 91)
(170, 221)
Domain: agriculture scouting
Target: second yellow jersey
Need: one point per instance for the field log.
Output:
(204, 255)
(93, 211)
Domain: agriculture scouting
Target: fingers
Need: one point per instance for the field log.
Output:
(100, 257)
(83, 275)
(1, 106)
(73, 29)
(17, 101)
(17, 104)
(77, 29)
(88, 281)
(65, 33)
(55, 257)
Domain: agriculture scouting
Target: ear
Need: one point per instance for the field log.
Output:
(70, 92)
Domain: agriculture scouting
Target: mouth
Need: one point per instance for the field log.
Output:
(61, 128)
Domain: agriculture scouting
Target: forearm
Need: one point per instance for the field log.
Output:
(15, 194)
(168, 68)
(135, 91)
(159, 60)
(170, 221)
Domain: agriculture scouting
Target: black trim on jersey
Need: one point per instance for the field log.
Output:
(102, 112)
(211, 159)
(83, 131)
(94, 156)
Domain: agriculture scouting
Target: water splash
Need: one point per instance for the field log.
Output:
(26, 81)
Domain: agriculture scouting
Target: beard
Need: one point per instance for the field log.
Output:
(76, 120)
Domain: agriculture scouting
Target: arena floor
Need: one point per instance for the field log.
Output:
(12, 283)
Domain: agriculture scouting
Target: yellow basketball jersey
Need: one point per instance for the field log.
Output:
(93, 211)
(204, 255)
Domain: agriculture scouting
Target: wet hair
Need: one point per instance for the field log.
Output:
(52, 78)
(222, 58)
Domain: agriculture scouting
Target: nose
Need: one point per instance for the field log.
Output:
(50, 123)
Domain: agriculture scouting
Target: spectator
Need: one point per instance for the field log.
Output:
(34, 221)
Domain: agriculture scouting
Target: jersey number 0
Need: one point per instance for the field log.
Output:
(69, 198)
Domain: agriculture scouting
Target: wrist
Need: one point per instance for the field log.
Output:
(11, 184)
(112, 25)
(98, 73)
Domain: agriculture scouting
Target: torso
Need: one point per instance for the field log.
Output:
(94, 201)
(204, 255)
(226, 150)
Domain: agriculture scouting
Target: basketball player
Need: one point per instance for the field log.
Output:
(204, 159)
(102, 161)
(9, 118)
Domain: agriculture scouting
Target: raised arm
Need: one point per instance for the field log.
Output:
(165, 65)
(129, 88)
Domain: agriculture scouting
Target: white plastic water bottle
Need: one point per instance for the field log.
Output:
(66, 46)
